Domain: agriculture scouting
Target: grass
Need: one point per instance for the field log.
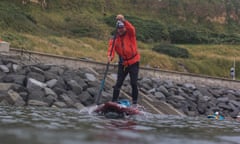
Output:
(212, 60)
(78, 29)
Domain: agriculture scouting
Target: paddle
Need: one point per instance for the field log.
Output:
(105, 73)
(102, 84)
(93, 107)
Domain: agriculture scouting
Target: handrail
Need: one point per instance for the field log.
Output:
(28, 55)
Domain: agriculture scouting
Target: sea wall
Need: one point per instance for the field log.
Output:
(158, 73)
(61, 86)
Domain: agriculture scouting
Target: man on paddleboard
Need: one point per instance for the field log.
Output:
(125, 45)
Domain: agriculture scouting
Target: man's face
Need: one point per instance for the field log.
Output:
(121, 30)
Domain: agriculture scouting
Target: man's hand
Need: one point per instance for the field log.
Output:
(120, 17)
(110, 58)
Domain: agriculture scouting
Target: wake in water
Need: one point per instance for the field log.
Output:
(91, 110)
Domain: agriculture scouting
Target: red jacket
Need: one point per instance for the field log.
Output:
(125, 46)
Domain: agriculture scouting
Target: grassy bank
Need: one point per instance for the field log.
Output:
(80, 28)
(212, 60)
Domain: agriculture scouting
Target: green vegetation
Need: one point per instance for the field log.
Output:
(192, 36)
(172, 50)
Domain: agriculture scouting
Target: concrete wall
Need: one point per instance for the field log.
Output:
(4, 46)
(158, 73)
(191, 78)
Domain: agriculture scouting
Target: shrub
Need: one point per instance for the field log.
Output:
(181, 35)
(172, 51)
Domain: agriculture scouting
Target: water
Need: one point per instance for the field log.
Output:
(63, 126)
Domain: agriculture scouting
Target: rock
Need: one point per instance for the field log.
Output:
(59, 91)
(4, 69)
(152, 91)
(35, 84)
(78, 106)
(224, 106)
(163, 90)
(56, 70)
(8, 79)
(235, 103)
(24, 95)
(36, 70)
(49, 76)
(49, 91)
(85, 98)
(37, 103)
(92, 91)
(15, 78)
(2, 75)
(50, 99)
(202, 107)
(75, 87)
(14, 98)
(60, 84)
(189, 86)
(36, 94)
(178, 98)
(65, 98)
(44, 67)
(4, 103)
(36, 76)
(160, 96)
(51, 83)
(5, 86)
(90, 77)
(59, 104)
(223, 100)
(82, 84)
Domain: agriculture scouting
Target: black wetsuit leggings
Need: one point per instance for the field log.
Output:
(122, 73)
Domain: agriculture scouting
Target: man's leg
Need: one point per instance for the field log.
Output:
(133, 71)
(120, 78)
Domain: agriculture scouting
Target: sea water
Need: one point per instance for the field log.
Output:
(34, 125)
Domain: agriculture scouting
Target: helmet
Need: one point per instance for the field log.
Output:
(216, 113)
(124, 102)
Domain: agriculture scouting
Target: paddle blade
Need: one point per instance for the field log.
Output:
(89, 109)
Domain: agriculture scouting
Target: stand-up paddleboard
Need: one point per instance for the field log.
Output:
(117, 110)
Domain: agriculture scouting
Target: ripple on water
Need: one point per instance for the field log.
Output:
(63, 126)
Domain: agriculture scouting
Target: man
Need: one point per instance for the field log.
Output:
(125, 44)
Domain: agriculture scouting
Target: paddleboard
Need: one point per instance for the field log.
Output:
(116, 110)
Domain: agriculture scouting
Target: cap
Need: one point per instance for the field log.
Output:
(120, 24)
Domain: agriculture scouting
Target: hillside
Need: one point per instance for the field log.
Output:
(81, 28)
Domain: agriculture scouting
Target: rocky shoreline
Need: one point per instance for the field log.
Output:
(62, 87)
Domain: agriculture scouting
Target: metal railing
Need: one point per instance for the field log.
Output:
(26, 56)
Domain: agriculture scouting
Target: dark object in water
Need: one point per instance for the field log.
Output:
(116, 110)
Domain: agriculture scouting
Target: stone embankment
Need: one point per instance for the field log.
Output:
(59, 86)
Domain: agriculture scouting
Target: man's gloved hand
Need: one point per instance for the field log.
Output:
(120, 17)
(110, 58)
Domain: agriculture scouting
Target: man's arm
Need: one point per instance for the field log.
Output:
(130, 28)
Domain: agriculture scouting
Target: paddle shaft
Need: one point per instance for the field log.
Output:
(105, 73)
(102, 84)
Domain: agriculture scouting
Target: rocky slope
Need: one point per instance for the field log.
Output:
(59, 86)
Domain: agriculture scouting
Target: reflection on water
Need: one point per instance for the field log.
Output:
(64, 126)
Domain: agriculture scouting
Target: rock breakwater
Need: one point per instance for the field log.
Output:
(60, 86)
